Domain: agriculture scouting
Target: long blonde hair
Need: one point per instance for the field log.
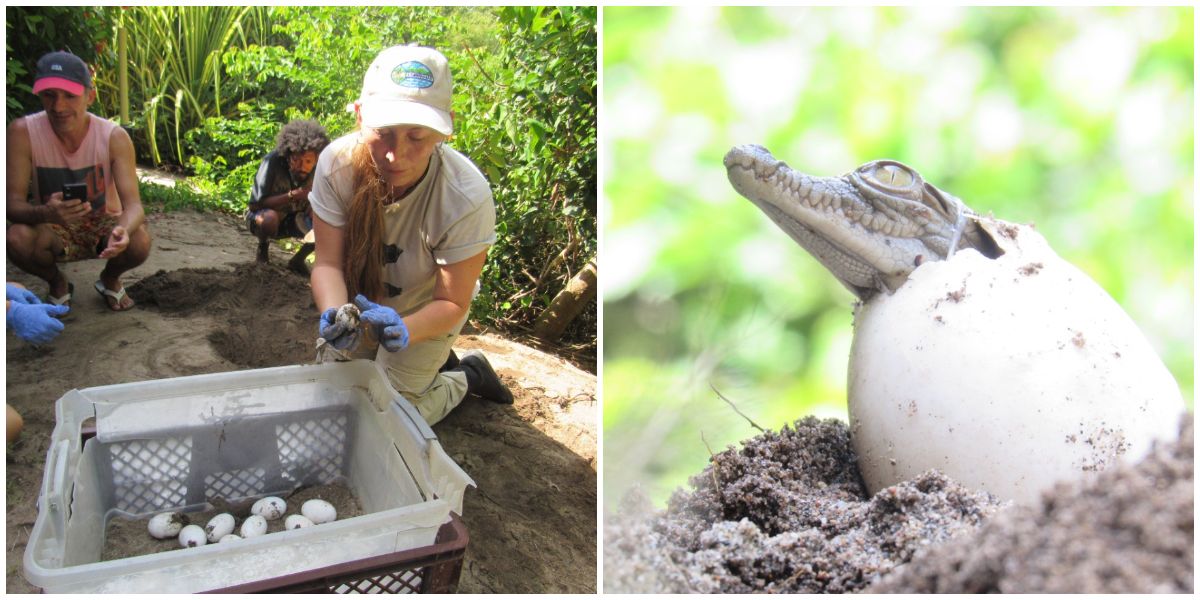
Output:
(363, 256)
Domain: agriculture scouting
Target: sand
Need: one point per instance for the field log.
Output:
(787, 512)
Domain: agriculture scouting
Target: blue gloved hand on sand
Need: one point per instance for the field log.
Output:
(35, 323)
(17, 293)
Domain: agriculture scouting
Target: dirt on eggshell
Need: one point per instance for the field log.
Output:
(129, 537)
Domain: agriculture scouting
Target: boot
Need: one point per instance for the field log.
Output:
(451, 362)
(482, 379)
(297, 263)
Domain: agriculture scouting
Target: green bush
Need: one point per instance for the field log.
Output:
(31, 31)
(165, 198)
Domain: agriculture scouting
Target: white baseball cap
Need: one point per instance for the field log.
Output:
(407, 85)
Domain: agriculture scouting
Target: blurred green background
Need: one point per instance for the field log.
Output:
(1079, 120)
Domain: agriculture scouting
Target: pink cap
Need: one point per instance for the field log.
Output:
(67, 85)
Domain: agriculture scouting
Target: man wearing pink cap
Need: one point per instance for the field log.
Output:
(72, 186)
(403, 223)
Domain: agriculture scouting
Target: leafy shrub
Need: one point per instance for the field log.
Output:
(32, 31)
(165, 198)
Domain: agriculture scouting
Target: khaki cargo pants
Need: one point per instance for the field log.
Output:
(413, 372)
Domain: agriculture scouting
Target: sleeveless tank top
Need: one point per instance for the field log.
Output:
(53, 166)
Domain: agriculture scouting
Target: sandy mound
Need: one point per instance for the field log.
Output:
(787, 512)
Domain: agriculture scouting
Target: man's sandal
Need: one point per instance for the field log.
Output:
(63, 299)
(113, 299)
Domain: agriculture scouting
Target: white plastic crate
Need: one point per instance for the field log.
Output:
(176, 444)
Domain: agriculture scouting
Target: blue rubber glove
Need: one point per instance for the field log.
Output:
(35, 322)
(335, 334)
(389, 328)
(17, 293)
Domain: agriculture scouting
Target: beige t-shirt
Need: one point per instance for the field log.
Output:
(447, 218)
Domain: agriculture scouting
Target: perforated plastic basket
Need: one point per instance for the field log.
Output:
(179, 444)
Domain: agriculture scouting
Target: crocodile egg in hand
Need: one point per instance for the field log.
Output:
(192, 536)
(167, 525)
(297, 522)
(219, 527)
(253, 526)
(318, 511)
(269, 508)
(348, 316)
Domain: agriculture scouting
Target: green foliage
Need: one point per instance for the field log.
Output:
(1078, 120)
(31, 31)
(223, 147)
(176, 71)
(166, 198)
(532, 130)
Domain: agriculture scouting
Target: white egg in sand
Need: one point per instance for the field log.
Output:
(192, 536)
(270, 508)
(253, 526)
(166, 525)
(297, 522)
(318, 511)
(1006, 374)
(219, 527)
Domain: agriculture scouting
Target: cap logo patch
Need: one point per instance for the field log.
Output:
(55, 67)
(412, 74)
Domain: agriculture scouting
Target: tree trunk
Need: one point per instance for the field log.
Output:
(567, 304)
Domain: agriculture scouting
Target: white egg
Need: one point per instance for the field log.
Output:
(297, 522)
(270, 508)
(192, 536)
(253, 526)
(230, 537)
(167, 525)
(318, 511)
(1006, 374)
(219, 526)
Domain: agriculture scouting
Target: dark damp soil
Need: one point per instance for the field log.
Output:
(787, 512)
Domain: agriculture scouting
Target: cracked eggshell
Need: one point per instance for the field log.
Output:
(253, 526)
(165, 526)
(1007, 375)
(318, 511)
(192, 536)
(269, 508)
(297, 522)
(219, 527)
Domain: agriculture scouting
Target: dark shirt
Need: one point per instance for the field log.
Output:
(273, 178)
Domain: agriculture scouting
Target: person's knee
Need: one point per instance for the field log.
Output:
(21, 239)
(140, 242)
(25, 242)
(268, 222)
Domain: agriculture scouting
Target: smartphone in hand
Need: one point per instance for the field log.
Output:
(79, 191)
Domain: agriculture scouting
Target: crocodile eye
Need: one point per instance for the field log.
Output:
(893, 176)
